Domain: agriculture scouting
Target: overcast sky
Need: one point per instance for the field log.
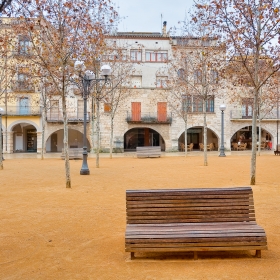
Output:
(145, 15)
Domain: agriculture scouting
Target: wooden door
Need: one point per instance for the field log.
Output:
(162, 111)
(136, 111)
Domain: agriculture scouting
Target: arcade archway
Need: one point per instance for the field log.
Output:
(55, 141)
(140, 137)
(244, 136)
(195, 136)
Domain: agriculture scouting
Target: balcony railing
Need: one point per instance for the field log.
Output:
(22, 87)
(240, 114)
(149, 118)
(72, 116)
(22, 111)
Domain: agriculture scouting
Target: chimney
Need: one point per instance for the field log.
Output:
(164, 29)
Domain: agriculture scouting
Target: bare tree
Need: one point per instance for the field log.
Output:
(62, 32)
(250, 30)
(122, 69)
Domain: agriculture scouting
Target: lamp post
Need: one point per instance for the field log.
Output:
(1, 146)
(87, 80)
(222, 148)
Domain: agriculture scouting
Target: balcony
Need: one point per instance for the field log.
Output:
(22, 111)
(22, 87)
(73, 117)
(241, 115)
(149, 118)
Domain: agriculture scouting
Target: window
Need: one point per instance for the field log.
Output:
(195, 104)
(162, 111)
(54, 110)
(213, 77)
(107, 107)
(136, 81)
(115, 55)
(22, 81)
(80, 109)
(187, 104)
(161, 82)
(198, 77)
(247, 108)
(181, 74)
(136, 55)
(24, 45)
(23, 106)
(136, 111)
(152, 56)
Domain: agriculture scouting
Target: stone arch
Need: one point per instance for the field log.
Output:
(198, 136)
(211, 128)
(151, 137)
(52, 130)
(12, 125)
(54, 140)
(243, 133)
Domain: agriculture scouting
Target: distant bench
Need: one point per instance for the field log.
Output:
(74, 153)
(182, 220)
(148, 151)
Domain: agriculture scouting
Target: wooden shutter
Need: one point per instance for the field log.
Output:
(136, 111)
(107, 107)
(162, 111)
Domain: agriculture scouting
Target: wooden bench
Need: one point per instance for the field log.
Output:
(74, 153)
(148, 151)
(182, 220)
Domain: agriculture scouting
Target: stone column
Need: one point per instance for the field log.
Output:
(8, 142)
(39, 142)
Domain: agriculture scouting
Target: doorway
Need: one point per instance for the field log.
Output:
(31, 140)
(54, 142)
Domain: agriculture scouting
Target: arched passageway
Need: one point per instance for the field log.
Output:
(244, 136)
(195, 136)
(24, 138)
(140, 137)
(55, 141)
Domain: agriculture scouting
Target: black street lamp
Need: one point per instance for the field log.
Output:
(222, 148)
(87, 80)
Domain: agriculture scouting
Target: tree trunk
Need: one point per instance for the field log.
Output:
(254, 142)
(98, 132)
(260, 134)
(1, 146)
(92, 124)
(65, 142)
(43, 132)
(186, 138)
(205, 133)
(111, 137)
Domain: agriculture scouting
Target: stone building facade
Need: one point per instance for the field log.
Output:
(144, 117)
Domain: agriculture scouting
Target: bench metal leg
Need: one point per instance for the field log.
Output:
(132, 255)
(195, 256)
(258, 254)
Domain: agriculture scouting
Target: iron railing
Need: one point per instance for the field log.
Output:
(240, 114)
(72, 116)
(22, 87)
(152, 118)
(22, 111)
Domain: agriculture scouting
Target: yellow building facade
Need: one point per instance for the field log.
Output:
(20, 91)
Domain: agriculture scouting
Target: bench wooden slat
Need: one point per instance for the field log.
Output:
(148, 151)
(198, 249)
(192, 220)
(74, 153)
(237, 190)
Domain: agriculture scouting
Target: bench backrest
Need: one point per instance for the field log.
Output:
(190, 205)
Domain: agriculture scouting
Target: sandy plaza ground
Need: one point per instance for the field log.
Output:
(50, 232)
